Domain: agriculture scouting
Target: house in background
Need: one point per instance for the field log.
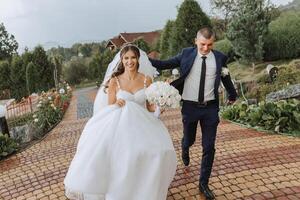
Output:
(149, 37)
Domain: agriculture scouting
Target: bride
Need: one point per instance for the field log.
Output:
(124, 152)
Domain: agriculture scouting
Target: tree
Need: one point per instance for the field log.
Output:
(18, 78)
(282, 41)
(57, 71)
(5, 82)
(31, 78)
(85, 50)
(219, 27)
(140, 42)
(189, 20)
(76, 71)
(94, 68)
(45, 69)
(226, 7)
(8, 44)
(165, 40)
(248, 28)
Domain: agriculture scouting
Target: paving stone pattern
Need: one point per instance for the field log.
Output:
(249, 165)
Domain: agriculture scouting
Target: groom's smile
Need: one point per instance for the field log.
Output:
(204, 45)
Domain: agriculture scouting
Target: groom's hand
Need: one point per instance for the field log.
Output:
(230, 102)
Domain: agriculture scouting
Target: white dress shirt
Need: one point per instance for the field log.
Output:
(192, 81)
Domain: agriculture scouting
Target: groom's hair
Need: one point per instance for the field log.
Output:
(206, 32)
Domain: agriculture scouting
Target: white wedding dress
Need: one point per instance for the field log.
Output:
(124, 153)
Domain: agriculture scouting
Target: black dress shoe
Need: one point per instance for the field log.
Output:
(204, 189)
(185, 155)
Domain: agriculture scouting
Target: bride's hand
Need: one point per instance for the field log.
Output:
(120, 102)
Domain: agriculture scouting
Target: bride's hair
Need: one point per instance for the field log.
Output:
(120, 69)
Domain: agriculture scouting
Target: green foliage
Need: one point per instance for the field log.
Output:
(8, 44)
(189, 20)
(85, 50)
(57, 61)
(17, 78)
(75, 71)
(283, 39)
(5, 82)
(219, 27)
(44, 69)
(7, 146)
(51, 107)
(165, 40)
(20, 120)
(31, 78)
(224, 46)
(94, 68)
(140, 42)
(247, 29)
(226, 7)
(282, 116)
(287, 75)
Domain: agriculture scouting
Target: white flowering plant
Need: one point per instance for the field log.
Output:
(51, 107)
(163, 95)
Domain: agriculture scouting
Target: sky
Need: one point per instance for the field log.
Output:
(65, 22)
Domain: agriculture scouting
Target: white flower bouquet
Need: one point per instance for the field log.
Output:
(163, 95)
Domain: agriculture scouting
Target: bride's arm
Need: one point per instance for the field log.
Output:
(150, 107)
(111, 92)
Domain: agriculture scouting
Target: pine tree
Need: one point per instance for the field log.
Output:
(8, 44)
(165, 40)
(44, 68)
(142, 44)
(5, 82)
(31, 77)
(18, 78)
(189, 20)
(248, 28)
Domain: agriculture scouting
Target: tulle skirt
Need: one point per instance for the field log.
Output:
(123, 154)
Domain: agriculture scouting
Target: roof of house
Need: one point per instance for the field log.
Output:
(116, 41)
(149, 37)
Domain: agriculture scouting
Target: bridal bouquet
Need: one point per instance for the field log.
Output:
(163, 94)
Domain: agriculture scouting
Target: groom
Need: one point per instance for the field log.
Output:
(200, 69)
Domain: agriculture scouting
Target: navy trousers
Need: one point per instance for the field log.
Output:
(208, 116)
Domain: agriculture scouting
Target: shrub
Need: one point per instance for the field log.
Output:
(282, 116)
(282, 41)
(225, 47)
(51, 107)
(7, 146)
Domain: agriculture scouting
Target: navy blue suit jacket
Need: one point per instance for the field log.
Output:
(185, 61)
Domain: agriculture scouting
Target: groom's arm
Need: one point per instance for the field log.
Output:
(226, 80)
(171, 63)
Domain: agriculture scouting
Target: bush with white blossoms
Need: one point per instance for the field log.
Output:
(163, 94)
(51, 106)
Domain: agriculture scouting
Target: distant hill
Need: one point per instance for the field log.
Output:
(294, 5)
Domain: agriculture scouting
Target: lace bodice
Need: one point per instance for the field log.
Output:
(138, 97)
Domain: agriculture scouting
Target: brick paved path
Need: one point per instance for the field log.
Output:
(248, 164)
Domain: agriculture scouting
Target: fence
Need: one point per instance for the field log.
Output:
(25, 106)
